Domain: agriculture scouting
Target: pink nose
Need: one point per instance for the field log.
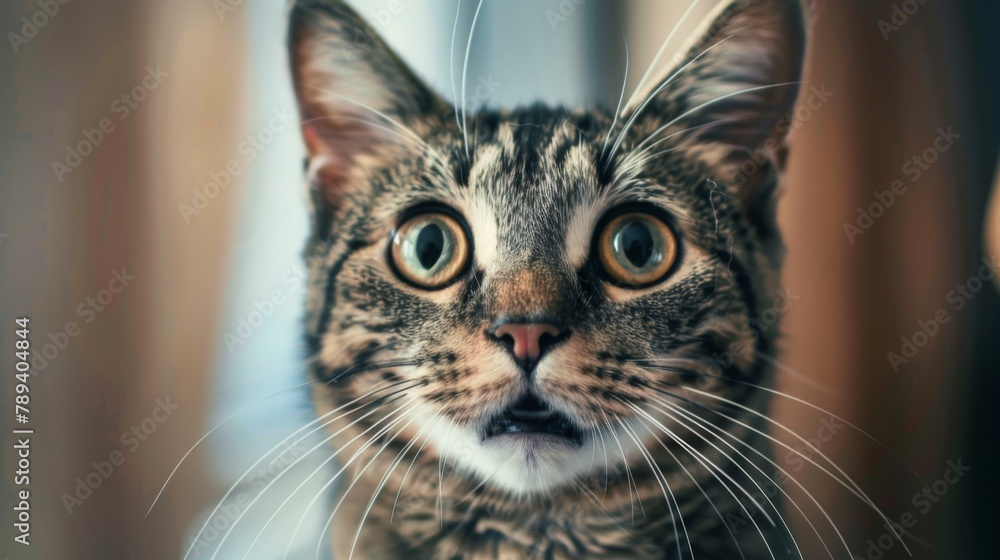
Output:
(526, 340)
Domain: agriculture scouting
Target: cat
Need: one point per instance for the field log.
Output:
(533, 332)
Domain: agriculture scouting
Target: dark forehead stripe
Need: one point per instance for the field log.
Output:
(536, 130)
(523, 174)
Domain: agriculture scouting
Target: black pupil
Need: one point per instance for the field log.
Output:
(637, 243)
(430, 244)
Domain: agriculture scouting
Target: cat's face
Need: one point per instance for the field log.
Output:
(522, 293)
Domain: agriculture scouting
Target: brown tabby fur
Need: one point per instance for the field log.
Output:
(532, 184)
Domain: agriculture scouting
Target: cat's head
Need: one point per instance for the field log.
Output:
(524, 290)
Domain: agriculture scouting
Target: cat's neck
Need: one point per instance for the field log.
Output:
(422, 511)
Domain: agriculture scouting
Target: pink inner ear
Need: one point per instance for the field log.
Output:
(313, 140)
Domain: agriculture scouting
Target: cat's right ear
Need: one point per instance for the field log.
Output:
(731, 95)
(357, 99)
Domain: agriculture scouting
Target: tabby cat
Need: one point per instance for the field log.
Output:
(533, 331)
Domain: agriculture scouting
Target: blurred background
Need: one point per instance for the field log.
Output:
(153, 214)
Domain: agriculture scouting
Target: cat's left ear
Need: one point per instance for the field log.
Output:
(359, 102)
(732, 91)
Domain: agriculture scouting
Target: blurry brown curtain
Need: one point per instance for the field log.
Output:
(117, 208)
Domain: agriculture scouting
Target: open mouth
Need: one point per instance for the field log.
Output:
(531, 416)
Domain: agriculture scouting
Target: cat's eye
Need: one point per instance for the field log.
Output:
(430, 250)
(636, 249)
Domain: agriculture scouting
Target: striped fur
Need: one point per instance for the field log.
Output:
(656, 377)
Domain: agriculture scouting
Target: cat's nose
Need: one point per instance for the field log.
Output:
(528, 342)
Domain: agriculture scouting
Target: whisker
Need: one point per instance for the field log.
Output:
(857, 491)
(708, 428)
(631, 161)
(652, 95)
(860, 496)
(177, 467)
(659, 53)
(652, 363)
(320, 493)
(822, 410)
(607, 465)
(319, 445)
(408, 469)
(709, 103)
(628, 471)
(465, 70)
(442, 459)
(295, 491)
(710, 466)
(392, 397)
(451, 62)
(593, 453)
(852, 487)
(715, 471)
(795, 374)
(695, 481)
(614, 122)
(326, 527)
(381, 484)
(668, 494)
(358, 369)
(385, 117)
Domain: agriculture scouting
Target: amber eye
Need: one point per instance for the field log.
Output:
(430, 250)
(636, 249)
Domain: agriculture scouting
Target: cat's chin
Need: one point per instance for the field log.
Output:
(531, 462)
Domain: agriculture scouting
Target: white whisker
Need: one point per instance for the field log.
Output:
(278, 445)
(465, 70)
(709, 465)
(668, 494)
(371, 441)
(628, 471)
(273, 481)
(708, 428)
(659, 53)
(614, 122)
(451, 63)
(652, 95)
